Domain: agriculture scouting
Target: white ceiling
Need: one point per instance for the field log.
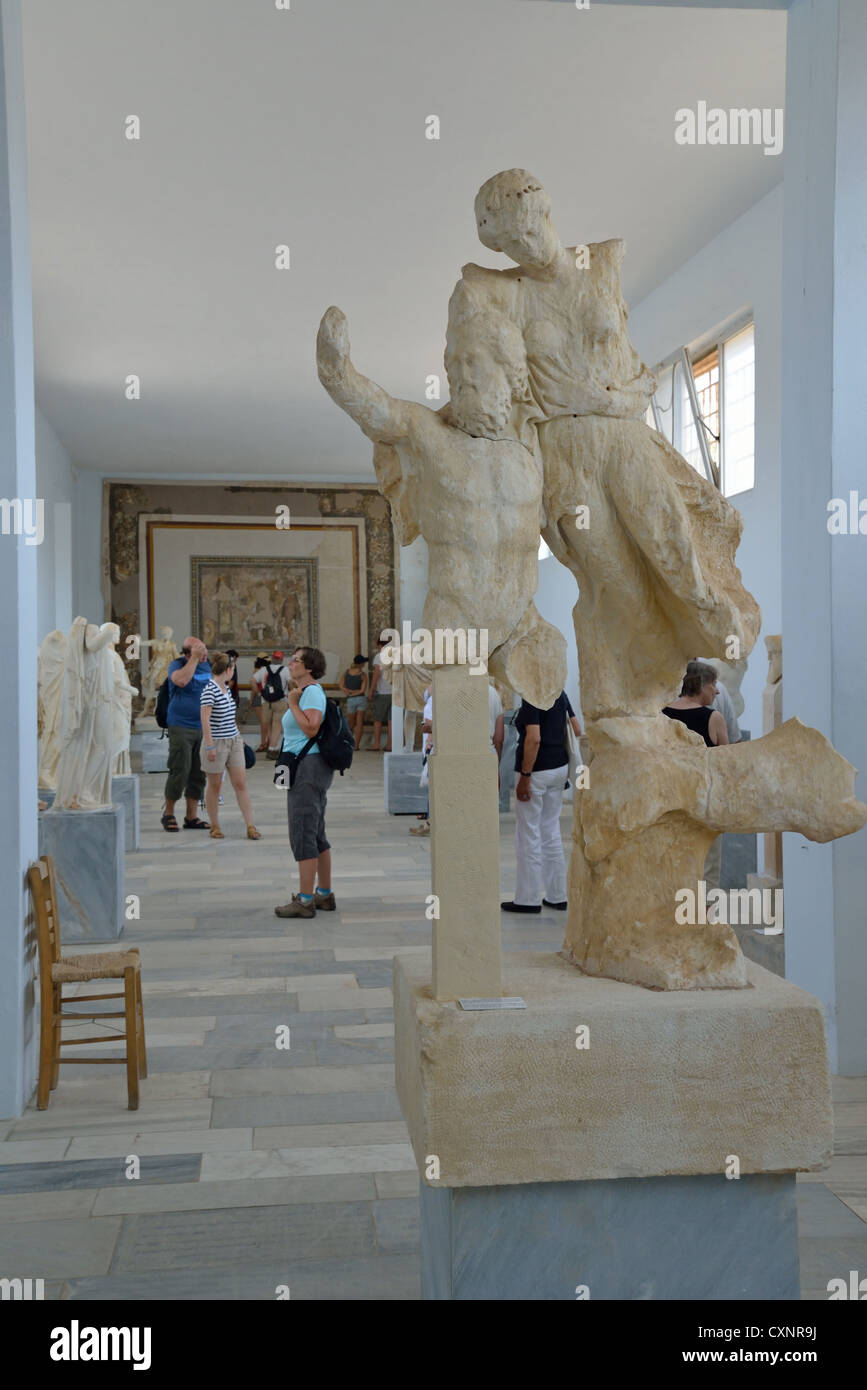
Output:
(262, 126)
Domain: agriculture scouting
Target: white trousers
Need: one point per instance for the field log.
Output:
(541, 867)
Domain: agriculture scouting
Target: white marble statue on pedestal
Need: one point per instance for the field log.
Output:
(122, 694)
(87, 718)
(52, 663)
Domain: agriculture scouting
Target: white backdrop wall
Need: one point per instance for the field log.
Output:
(55, 485)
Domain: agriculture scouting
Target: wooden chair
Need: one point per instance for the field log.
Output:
(56, 970)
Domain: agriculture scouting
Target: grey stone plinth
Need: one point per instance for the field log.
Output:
(705, 1238)
(153, 749)
(403, 795)
(124, 792)
(88, 852)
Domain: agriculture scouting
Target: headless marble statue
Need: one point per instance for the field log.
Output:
(121, 713)
(87, 732)
(52, 664)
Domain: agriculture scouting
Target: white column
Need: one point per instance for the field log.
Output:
(18, 611)
(824, 577)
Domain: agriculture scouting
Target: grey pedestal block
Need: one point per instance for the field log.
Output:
(154, 750)
(125, 793)
(403, 795)
(88, 852)
(668, 1238)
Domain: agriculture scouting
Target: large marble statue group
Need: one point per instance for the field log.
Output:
(545, 431)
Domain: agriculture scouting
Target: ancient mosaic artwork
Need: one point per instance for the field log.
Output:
(252, 605)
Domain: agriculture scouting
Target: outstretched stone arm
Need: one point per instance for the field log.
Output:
(382, 418)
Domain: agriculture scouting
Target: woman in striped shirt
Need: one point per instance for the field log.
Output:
(223, 746)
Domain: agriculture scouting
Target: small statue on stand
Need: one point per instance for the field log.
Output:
(121, 717)
(164, 652)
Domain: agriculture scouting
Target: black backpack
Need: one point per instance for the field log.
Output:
(334, 740)
(161, 712)
(272, 690)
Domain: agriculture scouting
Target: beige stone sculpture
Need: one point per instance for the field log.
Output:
(52, 662)
(462, 479)
(652, 545)
(163, 653)
(87, 718)
(121, 707)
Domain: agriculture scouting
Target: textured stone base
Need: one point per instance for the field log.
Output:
(403, 795)
(88, 852)
(125, 793)
(628, 1238)
(153, 750)
(669, 1083)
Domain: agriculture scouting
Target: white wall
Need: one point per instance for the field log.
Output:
(54, 559)
(739, 269)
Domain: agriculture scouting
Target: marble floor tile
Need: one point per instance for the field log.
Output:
(301, 1081)
(97, 1172)
(253, 1192)
(396, 1185)
(148, 1144)
(333, 1000)
(227, 1239)
(362, 1031)
(34, 1151)
(322, 1136)
(297, 1162)
(371, 1278)
(108, 1119)
(339, 1108)
(47, 1206)
(59, 1249)
(397, 1225)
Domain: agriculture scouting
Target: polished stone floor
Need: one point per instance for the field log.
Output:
(262, 1167)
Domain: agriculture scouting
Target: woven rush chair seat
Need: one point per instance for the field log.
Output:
(57, 970)
(101, 965)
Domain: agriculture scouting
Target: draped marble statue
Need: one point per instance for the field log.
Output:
(87, 717)
(51, 666)
(121, 709)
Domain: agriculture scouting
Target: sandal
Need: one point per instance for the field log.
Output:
(195, 824)
(253, 833)
(216, 833)
(170, 824)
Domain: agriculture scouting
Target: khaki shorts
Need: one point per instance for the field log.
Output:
(229, 752)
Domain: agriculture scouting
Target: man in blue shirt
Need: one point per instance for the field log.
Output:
(188, 676)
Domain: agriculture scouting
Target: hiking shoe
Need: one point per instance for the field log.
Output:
(324, 902)
(296, 908)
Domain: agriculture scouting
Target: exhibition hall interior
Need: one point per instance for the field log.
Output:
(434, 562)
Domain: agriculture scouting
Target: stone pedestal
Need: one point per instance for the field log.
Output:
(590, 1135)
(620, 1238)
(153, 750)
(403, 795)
(465, 839)
(88, 852)
(125, 793)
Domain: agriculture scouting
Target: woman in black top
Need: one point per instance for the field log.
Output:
(354, 687)
(693, 708)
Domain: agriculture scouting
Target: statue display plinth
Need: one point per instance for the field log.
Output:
(88, 852)
(153, 749)
(665, 1091)
(125, 793)
(403, 793)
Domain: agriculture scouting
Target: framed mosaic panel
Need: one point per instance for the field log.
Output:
(254, 605)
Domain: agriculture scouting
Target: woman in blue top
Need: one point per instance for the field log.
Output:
(307, 798)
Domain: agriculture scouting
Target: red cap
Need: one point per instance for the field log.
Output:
(277, 654)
